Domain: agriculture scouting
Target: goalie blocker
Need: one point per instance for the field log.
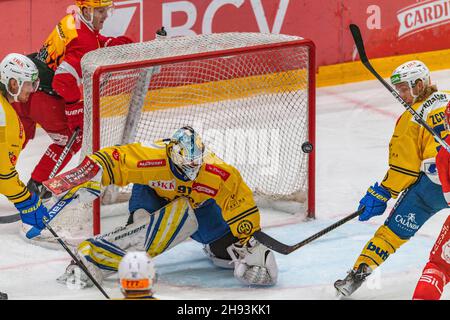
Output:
(167, 217)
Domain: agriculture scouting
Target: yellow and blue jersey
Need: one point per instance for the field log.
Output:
(412, 149)
(12, 137)
(217, 182)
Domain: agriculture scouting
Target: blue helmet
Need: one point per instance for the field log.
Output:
(186, 151)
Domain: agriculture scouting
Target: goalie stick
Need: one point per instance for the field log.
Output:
(16, 217)
(77, 261)
(282, 248)
(356, 33)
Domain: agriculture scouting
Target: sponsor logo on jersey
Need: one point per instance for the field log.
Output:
(245, 227)
(163, 184)
(116, 155)
(383, 254)
(217, 171)
(12, 158)
(234, 203)
(408, 222)
(151, 163)
(201, 188)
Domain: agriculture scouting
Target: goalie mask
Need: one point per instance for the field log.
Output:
(409, 73)
(23, 70)
(186, 150)
(136, 274)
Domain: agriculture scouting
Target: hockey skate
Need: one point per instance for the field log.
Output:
(75, 278)
(353, 280)
(3, 296)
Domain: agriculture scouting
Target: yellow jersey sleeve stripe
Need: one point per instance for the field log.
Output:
(8, 176)
(106, 165)
(405, 172)
(19, 195)
(391, 191)
(242, 216)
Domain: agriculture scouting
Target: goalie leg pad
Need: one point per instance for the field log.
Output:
(169, 226)
(154, 233)
(254, 263)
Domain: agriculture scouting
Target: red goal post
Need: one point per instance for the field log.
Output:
(265, 85)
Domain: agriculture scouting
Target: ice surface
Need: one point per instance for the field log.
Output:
(354, 125)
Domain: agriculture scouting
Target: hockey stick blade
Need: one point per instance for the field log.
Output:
(282, 248)
(356, 33)
(10, 219)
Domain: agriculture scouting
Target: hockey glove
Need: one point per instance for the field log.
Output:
(74, 114)
(375, 202)
(32, 211)
(254, 263)
(82, 182)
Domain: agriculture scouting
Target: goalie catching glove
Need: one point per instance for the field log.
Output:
(82, 182)
(254, 263)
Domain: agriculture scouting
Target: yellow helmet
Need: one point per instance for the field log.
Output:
(94, 3)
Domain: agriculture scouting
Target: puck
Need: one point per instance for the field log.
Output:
(307, 147)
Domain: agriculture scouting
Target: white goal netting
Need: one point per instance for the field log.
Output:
(247, 94)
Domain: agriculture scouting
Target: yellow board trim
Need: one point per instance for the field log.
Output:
(355, 71)
(209, 92)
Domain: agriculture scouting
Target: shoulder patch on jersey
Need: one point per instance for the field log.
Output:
(224, 175)
(151, 163)
(433, 101)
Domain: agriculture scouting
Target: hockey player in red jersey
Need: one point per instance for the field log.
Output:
(436, 273)
(58, 106)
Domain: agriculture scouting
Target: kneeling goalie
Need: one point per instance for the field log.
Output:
(180, 190)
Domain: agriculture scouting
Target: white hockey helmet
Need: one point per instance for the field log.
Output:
(410, 72)
(136, 274)
(186, 151)
(22, 69)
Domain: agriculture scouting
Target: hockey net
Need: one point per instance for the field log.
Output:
(251, 97)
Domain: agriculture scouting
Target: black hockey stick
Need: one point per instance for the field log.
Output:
(279, 247)
(356, 33)
(16, 217)
(74, 257)
(63, 156)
